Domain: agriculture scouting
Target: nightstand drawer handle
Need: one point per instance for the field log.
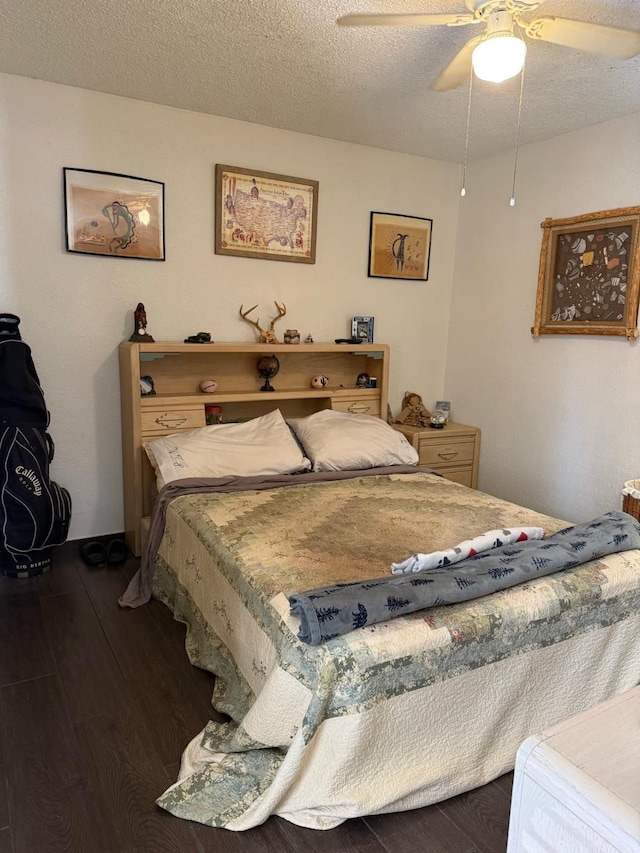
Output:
(448, 455)
(359, 408)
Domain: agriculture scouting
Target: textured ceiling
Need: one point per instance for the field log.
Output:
(285, 64)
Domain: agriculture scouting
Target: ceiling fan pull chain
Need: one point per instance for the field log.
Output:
(512, 200)
(463, 190)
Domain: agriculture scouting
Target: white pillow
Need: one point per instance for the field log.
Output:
(337, 441)
(257, 447)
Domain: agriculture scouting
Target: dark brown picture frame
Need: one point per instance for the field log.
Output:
(265, 215)
(399, 246)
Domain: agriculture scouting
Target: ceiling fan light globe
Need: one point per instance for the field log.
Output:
(499, 57)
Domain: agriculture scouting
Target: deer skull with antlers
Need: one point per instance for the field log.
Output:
(266, 336)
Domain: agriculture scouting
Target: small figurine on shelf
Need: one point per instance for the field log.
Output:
(362, 381)
(147, 388)
(308, 339)
(320, 381)
(414, 413)
(140, 335)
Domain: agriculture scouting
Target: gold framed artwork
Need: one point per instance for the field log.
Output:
(118, 216)
(399, 246)
(264, 215)
(589, 275)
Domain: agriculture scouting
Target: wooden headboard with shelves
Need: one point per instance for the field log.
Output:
(178, 404)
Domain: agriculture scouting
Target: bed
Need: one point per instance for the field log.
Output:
(388, 717)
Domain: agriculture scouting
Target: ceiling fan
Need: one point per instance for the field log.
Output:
(498, 54)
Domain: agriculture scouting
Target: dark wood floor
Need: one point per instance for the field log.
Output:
(96, 705)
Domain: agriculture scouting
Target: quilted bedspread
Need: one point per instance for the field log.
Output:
(391, 716)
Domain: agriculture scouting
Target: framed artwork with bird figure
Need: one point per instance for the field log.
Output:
(118, 216)
(399, 246)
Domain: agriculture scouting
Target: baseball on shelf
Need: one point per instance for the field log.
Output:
(208, 386)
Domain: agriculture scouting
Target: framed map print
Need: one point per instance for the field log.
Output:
(267, 216)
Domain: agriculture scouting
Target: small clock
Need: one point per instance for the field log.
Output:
(438, 419)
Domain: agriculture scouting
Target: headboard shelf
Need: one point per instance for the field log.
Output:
(151, 402)
(233, 346)
(179, 405)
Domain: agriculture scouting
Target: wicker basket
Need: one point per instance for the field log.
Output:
(630, 504)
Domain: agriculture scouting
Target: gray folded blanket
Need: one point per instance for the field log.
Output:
(327, 612)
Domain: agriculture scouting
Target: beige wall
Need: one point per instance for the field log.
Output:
(76, 309)
(561, 414)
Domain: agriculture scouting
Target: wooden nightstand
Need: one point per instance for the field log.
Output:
(453, 451)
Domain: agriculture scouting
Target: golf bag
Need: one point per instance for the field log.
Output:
(34, 511)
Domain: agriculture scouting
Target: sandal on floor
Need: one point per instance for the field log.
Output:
(116, 552)
(93, 554)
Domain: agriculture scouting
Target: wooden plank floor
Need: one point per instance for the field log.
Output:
(96, 705)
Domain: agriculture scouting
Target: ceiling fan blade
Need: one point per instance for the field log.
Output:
(594, 38)
(408, 20)
(457, 71)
